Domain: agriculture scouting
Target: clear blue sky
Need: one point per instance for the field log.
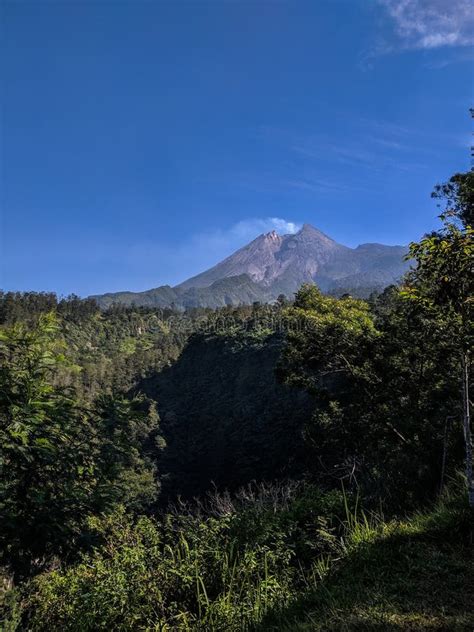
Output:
(144, 141)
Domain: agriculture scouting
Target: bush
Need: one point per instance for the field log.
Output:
(221, 565)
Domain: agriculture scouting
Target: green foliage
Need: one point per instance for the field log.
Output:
(458, 196)
(189, 571)
(114, 349)
(236, 564)
(443, 281)
(328, 340)
(61, 461)
(94, 531)
(46, 471)
(384, 383)
(413, 574)
(128, 448)
(10, 604)
(444, 276)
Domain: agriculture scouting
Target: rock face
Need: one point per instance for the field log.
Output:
(275, 264)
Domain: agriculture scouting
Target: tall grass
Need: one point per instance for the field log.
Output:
(248, 563)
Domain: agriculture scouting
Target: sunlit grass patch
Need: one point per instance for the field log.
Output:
(415, 574)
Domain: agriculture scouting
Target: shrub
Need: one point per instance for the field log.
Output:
(220, 565)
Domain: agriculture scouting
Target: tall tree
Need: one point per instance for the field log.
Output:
(46, 466)
(443, 280)
(60, 460)
(328, 353)
(382, 382)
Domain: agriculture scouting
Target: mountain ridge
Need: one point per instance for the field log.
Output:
(273, 264)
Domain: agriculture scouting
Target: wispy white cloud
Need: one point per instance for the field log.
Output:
(429, 24)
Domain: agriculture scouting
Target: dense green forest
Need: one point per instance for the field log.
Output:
(304, 465)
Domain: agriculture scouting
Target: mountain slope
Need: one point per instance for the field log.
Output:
(234, 290)
(273, 257)
(275, 264)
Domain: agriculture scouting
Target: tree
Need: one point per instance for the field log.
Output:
(62, 460)
(417, 365)
(128, 446)
(46, 468)
(328, 353)
(443, 281)
(381, 376)
(458, 197)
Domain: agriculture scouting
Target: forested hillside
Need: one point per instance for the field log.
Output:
(304, 465)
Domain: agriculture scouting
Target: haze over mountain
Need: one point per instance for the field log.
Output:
(274, 264)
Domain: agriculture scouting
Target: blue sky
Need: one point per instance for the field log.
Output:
(144, 141)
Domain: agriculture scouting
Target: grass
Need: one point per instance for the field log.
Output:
(409, 575)
(194, 574)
